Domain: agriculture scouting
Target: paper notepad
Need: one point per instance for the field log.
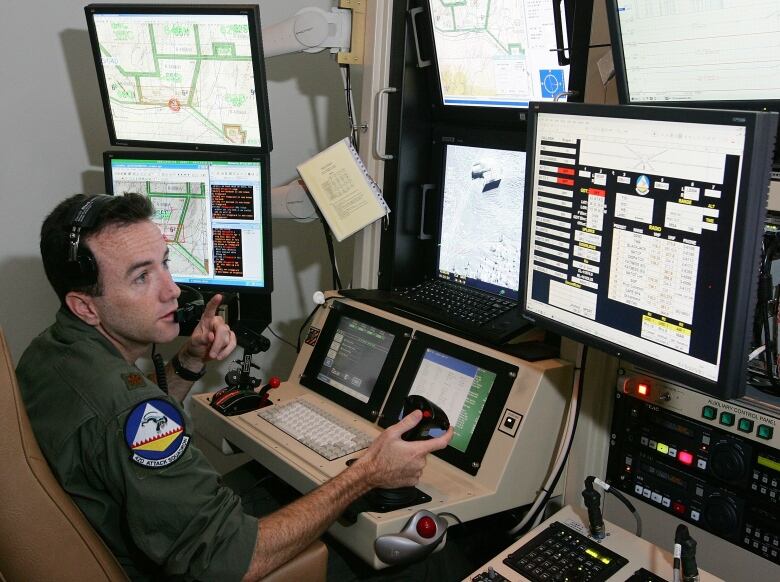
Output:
(344, 192)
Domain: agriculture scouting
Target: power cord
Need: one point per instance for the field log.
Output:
(564, 449)
(685, 568)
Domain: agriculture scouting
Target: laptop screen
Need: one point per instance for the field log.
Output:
(482, 218)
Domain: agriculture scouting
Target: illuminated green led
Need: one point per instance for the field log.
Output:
(662, 448)
(592, 553)
(605, 560)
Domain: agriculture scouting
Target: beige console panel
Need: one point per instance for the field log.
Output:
(511, 472)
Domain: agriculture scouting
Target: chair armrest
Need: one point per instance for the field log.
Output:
(310, 565)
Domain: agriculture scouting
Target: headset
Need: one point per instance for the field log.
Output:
(81, 265)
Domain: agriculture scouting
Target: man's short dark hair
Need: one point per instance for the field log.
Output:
(55, 245)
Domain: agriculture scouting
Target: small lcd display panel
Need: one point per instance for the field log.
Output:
(471, 388)
(496, 53)
(212, 209)
(643, 231)
(355, 359)
(182, 76)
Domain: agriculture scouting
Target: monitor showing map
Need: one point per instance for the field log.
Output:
(643, 229)
(496, 53)
(213, 210)
(181, 76)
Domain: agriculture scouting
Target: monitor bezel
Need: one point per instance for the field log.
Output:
(252, 12)
(368, 410)
(265, 206)
(624, 92)
(578, 38)
(469, 461)
(750, 216)
(482, 137)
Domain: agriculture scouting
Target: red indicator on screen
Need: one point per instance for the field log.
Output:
(565, 181)
(685, 457)
(566, 171)
(597, 192)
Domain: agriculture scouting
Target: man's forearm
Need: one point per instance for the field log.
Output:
(286, 532)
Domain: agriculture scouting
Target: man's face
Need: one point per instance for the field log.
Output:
(139, 297)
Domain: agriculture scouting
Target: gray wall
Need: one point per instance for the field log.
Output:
(52, 131)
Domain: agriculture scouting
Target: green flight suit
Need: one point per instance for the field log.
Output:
(172, 520)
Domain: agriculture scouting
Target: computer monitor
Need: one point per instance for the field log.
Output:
(355, 359)
(482, 181)
(705, 54)
(496, 55)
(213, 210)
(470, 387)
(642, 233)
(181, 76)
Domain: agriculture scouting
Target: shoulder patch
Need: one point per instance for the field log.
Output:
(134, 380)
(154, 433)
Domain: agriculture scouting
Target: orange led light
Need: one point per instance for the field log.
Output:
(642, 389)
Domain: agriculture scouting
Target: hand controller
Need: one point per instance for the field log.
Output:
(433, 417)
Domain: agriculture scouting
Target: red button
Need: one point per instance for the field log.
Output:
(685, 457)
(427, 414)
(274, 382)
(426, 527)
(678, 507)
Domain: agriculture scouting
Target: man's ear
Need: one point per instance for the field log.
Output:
(83, 307)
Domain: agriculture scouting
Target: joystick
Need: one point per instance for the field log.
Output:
(422, 535)
(433, 417)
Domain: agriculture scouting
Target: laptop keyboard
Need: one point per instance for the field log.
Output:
(459, 302)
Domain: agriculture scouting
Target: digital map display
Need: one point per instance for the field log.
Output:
(496, 53)
(180, 78)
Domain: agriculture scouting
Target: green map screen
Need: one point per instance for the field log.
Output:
(181, 78)
(460, 389)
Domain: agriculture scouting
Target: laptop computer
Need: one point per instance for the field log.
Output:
(473, 288)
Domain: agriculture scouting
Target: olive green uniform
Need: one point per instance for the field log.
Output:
(169, 521)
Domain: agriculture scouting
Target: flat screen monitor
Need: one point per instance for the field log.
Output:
(181, 76)
(470, 387)
(703, 53)
(213, 210)
(643, 231)
(481, 213)
(496, 54)
(355, 359)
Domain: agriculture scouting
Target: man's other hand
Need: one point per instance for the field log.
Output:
(212, 338)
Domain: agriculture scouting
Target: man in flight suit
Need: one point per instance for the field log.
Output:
(120, 446)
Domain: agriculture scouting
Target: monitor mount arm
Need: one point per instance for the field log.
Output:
(310, 30)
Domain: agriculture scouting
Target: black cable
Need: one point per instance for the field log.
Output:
(280, 338)
(548, 492)
(159, 369)
(332, 255)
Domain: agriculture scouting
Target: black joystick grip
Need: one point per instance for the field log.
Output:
(433, 417)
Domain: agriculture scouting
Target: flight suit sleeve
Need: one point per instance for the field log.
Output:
(178, 513)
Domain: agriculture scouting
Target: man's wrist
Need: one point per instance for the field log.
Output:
(185, 372)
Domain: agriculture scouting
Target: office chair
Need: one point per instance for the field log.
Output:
(43, 534)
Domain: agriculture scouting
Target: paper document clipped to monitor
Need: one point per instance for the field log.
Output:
(342, 189)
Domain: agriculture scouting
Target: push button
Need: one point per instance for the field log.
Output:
(727, 418)
(709, 412)
(765, 432)
(745, 425)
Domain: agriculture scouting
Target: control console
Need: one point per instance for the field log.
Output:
(712, 463)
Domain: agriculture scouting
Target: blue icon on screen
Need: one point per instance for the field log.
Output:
(552, 82)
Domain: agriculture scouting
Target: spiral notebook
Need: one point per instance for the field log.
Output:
(342, 189)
